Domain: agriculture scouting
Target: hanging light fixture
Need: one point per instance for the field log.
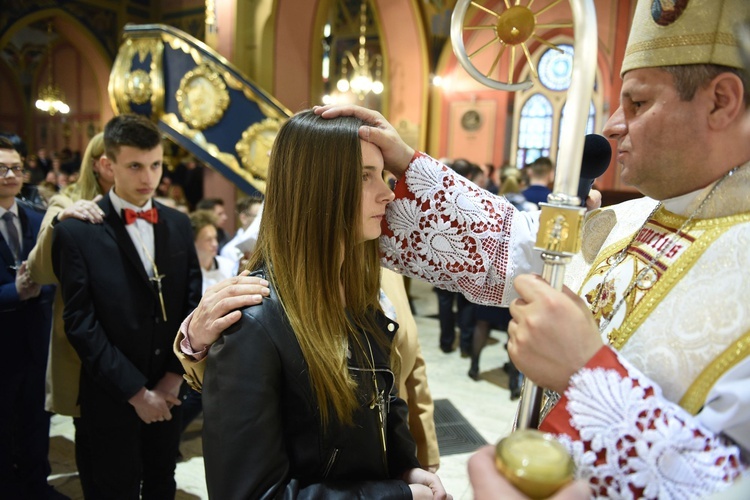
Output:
(51, 99)
(366, 72)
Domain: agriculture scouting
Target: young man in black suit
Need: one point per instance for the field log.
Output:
(25, 320)
(126, 284)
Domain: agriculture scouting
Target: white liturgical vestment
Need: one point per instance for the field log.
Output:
(679, 336)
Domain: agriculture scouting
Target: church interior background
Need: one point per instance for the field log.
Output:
(298, 52)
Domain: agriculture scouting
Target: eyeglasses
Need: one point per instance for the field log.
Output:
(18, 170)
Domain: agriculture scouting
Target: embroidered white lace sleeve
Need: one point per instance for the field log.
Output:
(636, 444)
(457, 236)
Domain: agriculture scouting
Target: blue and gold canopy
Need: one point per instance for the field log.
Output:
(199, 100)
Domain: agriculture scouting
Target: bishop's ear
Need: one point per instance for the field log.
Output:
(728, 94)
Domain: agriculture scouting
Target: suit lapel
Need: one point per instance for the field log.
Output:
(5, 252)
(161, 241)
(115, 227)
(28, 239)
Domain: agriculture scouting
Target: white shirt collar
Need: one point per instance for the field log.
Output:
(13, 209)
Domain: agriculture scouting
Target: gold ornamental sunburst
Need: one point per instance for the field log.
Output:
(514, 27)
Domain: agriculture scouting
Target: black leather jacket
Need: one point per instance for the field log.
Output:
(262, 431)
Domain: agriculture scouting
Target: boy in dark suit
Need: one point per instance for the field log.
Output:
(126, 285)
(25, 320)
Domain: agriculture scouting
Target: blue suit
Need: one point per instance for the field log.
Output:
(25, 331)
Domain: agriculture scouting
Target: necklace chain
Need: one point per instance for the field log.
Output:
(156, 278)
(674, 237)
(551, 397)
(371, 362)
(379, 402)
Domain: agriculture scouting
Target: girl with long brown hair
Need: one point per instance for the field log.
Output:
(299, 395)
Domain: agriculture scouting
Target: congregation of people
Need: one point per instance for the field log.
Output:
(133, 307)
(116, 455)
(57, 377)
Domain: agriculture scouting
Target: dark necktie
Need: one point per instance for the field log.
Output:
(14, 243)
(150, 215)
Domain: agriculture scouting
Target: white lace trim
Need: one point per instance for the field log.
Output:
(648, 446)
(451, 234)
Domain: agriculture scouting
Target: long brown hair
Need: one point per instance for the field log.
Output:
(311, 224)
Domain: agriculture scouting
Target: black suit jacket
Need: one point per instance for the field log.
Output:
(25, 324)
(112, 312)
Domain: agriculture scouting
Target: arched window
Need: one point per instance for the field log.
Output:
(589, 122)
(534, 129)
(539, 112)
(556, 68)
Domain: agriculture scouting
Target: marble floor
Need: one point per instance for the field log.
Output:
(484, 403)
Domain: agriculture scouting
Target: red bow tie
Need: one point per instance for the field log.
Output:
(150, 215)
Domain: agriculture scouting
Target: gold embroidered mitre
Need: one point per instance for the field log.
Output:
(677, 32)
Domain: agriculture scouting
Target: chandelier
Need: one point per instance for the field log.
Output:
(51, 99)
(366, 72)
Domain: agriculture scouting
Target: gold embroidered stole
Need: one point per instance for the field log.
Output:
(648, 326)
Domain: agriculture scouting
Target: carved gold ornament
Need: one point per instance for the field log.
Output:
(560, 229)
(228, 159)
(202, 97)
(255, 145)
(509, 31)
(138, 87)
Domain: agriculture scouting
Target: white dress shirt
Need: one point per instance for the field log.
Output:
(141, 231)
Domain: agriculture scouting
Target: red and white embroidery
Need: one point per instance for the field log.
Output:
(444, 229)
(635, 444)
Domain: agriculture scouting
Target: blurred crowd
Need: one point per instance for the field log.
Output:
(47, 173)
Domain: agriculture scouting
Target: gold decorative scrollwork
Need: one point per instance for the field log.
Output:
(177, 43)
(228, 159)
(255, 146)
(202, 97)
(128, 86)
(190, 46)
(510, 30)
(251, 95)
(138, 87)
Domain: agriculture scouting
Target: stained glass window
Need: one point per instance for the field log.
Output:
(556, 68)
(589, 123)
(539, 112)
(535, 130)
